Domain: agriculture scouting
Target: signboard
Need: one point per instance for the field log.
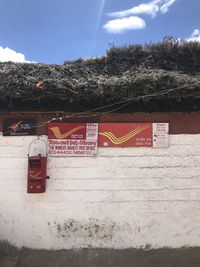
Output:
(19, 127)
(160, 135)
(125, 135)
(72, 139)
(133, 135)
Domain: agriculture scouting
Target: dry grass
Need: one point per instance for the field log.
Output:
(128, 72)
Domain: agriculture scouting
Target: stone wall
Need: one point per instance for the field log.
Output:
(122, 198)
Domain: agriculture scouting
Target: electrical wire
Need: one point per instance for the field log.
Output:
(124, 103)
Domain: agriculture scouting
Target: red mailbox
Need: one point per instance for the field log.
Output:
(37, 167)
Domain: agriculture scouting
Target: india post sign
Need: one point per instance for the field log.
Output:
(125, 135)
(72, 139)
(19, 127)
(133, 135)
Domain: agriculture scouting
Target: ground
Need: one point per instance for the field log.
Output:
(184, 257)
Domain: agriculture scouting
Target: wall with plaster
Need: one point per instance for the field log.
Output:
(123, 197)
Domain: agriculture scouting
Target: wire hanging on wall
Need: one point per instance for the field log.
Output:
(97, 110)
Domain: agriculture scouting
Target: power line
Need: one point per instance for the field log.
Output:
(123, 103)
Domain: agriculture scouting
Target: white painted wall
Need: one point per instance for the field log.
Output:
(125, 197)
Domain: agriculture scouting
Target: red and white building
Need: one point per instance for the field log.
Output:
(123, 196)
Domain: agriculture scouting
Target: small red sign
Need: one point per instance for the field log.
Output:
(125, 135)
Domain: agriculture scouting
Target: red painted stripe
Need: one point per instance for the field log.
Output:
(179, 122)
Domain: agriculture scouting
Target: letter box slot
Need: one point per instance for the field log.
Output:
(35, 163)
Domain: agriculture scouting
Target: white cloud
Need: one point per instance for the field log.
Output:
(165, 7)
(7, 54)
(151, 8)
(124, 24)
(125, 20)
(195, 36)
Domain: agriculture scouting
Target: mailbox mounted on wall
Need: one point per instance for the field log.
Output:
(37, 167)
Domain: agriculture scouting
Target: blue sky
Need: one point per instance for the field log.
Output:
(52, 31)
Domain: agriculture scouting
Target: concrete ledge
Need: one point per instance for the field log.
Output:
(183, 257)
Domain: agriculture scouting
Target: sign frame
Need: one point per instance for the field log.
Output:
(72, 139)
(19, 126)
